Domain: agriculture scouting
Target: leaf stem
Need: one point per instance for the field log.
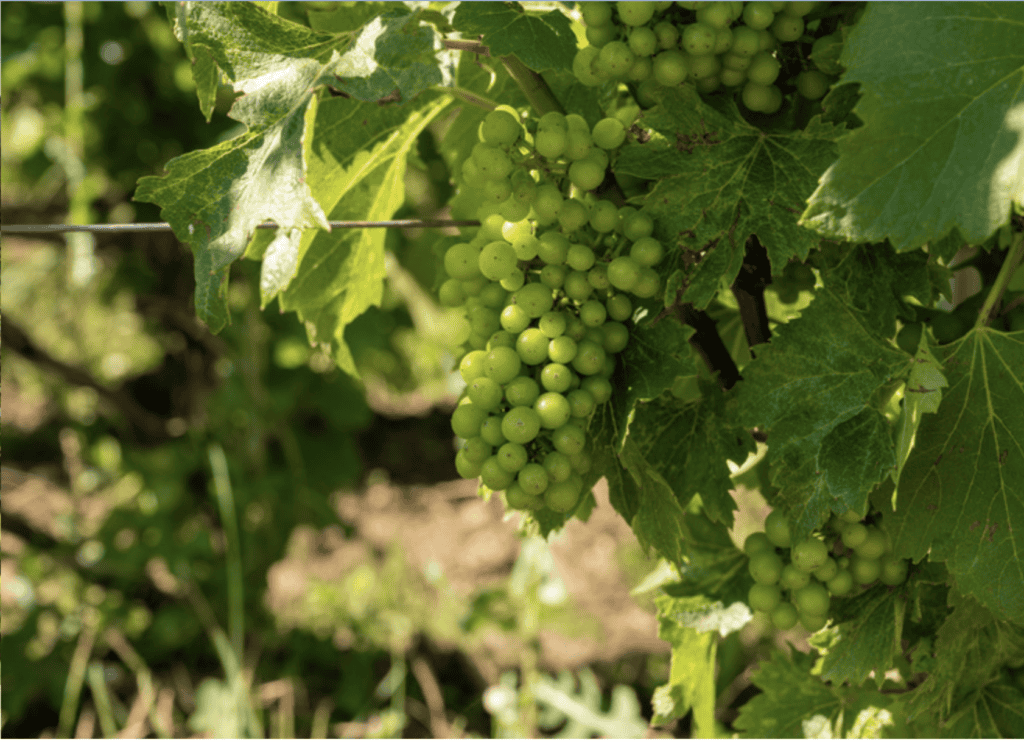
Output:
(995, 295)
(532, 85)
(473, 98)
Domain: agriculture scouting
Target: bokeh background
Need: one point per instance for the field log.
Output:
(224, 535)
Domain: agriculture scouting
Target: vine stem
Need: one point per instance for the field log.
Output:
(469, 97)
(532, 85)
(1013, 259)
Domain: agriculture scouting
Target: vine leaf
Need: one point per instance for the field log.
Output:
(795, 701)
(941, 101)
(922, 395)
(543, 41)
(811, 388)
(864, 639)
(720, 180)
(960, 490)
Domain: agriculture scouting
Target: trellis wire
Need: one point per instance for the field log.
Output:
(165, 227)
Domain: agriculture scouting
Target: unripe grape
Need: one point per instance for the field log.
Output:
(827, 571)
(581, 403)
(787, 27)
(593, 313)
(485, 393)
(776, 527)
(723, 41)
(467, 419)
(491, 161)
(854, 534)
(476, 449)
(497, 260)
(550, 144)
(745, 41)
(758, 15)
(764, 69)
(812, 622)
(716, 14)
(494, 476)
(599, 388)
(647, 283)
(766, 567)
(764, 597)
(563, 496)
(800, 8)
(699, 38)
(757, 542)
(609, 133)
(512, 457)
(583, 66)
(534, 298)
(581, 462)
(812, 84)
(623, 273)
(667, 33)
(548, 202)
(873, 546)
(522, 391)
(501, 339)
(493, 296)
(894, 571)
(620, 308)
(670, 68)
(532, 345)
(809, 554)
(647, 251)
(533, 479)
(513, 210)
(599, 36)
(732, 78)
(553, 409)
(572, 215)
(577, 287)
(643, 41)
(450, 294)
(813, 599)
(502, 365)
(757, 97)
(490, 431)
(518, 499)
(500, 128)
(596, 13)
(461, 261)
(842, 583)
(467, 468)
(616, 337)
(585, 175)
(581, 257)
(556, 377)
(552, 121)
(865, 571)
(635, 13)
(589, 358)
(784, 616)
(520, 425)
(558, 466)
(792, 578)
(615, 59)
(553, 276)
(562, 350)
(569, 439)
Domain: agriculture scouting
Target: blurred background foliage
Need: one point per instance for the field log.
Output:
(156, 477)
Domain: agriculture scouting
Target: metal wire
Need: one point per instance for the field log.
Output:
(165, 227)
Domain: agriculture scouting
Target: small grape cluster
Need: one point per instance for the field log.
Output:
(801, 588)
(657, 45)
(545, 286)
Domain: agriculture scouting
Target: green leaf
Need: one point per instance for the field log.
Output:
(722, 180)
(713, 567)
(865, 637)
(960, 491)
(691, 682)
(941, 94)
(543, 41)
(923, 394)
(811, 388)
(795, 702)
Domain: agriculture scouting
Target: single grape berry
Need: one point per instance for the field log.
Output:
(873, 546)
(757, 542)
(766, 567)
(563, 496)
(670, 68)
(841, 584)
(502, 364)
(635, 13)
(865, 571)
(894, 571)
(793, 578)
(609, 133)
(553, 410)
(784, 616)
(500, 128)
(810, 554)
(512, 457)
(623, 272)
(520, 425)
(813, 598)
(764, 597)
(776, 527)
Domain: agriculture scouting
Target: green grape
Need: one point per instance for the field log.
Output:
(647, 283)
(494, 476)
(894, 571)
(490, 431)
(787, 27)
(553, 248)
(812, 622)
(579, 142)
(609, 133)
(581, 403)
(534, 298)
(758, 15)
(733, 61)
(800, 8)
(758, 97)
(471, 174)
(553, 409)
(483, 320)
(643, 42)
(596, 13)
(637, 226)
(600, 389)
(708, 84)
(593, 313)
(558, 466)
(766, 567)
(563, 496)
(792, 578)
(864, 570)
(698, 38)
(532, 346)
(585, 175)
(671, 68)
(764, 597)
(525, 247)
(646, 251)
(756, 543)
(767, 41)
(589, 358)
(533, 479)
(476, 449)
(784, 616)
(493, 296)
(518, 499)
(575, 329)
(485, 393)
(667, 33)
(522, 391)
(809, 554)
(502, 364)
(562, 350)
(826, 571)
(852, 516)
(580, 257)
(600, 35)
(450, 294)
(553, 276)
(603, 218)
(598, 276)
(581, 462)
(552, 324)
(472, 365)
(723, 41)
(745, 41)
(635, 13)
(873, 546)
(512, 457)
(556, 377)
(550, 144)
(513, 211)
(577, 286)
(841, 584)
(623, 273)
(703, 67)
(647, 91)
(569, 439)
(548, 202)
(620, 308)
(461, 261)
(843, 562)
(616, 337)
(718, 15)
(583, 66)
(572, 215)
(492, 162)
(812, 598)
(776, 527)
(764, 69)
(520, 425)
(524, 190)
(501, 339)
(854, 534)
(514, 318)
(500, 128)
(812, 84)
(467, 419)
(467, 468)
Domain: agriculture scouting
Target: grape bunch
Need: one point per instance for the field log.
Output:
(731, 45)
(796, 582)
(545, 285)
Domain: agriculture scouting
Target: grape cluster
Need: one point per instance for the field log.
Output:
(795, 582)
(730, 45)
(545, 285)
